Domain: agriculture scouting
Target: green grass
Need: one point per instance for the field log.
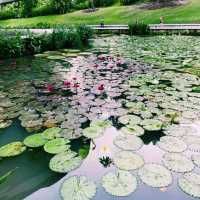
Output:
(116, 14)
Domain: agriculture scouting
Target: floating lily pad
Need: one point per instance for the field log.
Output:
(155, 175)
(57, 145)
(119, 184)
(172, 144)
(55, 57)
(35, 140)
(177, 162)
(128, 142)
(133, 130)
(189, 183)
(126, 160)
(5, 124)
(195, 147)
(92, 132)
(52, 133)
(152, 124)
(65, 162)
(129, 119)
(100, 123)
(196, 159)
(77, 188)
(12, 149)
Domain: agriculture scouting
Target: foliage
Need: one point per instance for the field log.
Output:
(61, 6)
(29, 44)
(127, 2)
(103, 3)
(139, 29)
(27, 7)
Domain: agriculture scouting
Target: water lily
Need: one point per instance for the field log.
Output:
(95, 65)
(101, 87)
(50, 87)
(76, 85)
(67, 83)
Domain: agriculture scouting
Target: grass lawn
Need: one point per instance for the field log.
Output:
(116, 14)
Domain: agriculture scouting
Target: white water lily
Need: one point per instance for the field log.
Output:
(126, 160)
(177, 162)
(189, 183)
(128, 142)
(195, 147)
(172, 144)
(155, 175)
(122, 183)
(77, 188)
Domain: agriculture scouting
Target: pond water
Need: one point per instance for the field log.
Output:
(144, 89)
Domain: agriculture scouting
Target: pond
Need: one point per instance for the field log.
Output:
(123, 115)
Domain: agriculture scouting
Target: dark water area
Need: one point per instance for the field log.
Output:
(31, 170)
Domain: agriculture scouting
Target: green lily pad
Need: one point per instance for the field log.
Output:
(12, 149)
(92, 132)
(152, 124)
(129, 119)
(35, 140)
(155, 175)
(120, 184)
(126, 160)
(78, 188)
(133, 130)
(189, 183)
(52, 133)
(57, 145)
(65, 162)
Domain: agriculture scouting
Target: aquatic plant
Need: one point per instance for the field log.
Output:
(155, 175)
(121, 183)
(77, 187)
(35, 140)
(126, 160)
(65, 161)
(189, 183)
(106, 161)
(128, 142)
(12, 149)
(57, 145)
(51, 133)
(177, 162)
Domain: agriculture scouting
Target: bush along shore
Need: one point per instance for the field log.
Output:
(28, 43)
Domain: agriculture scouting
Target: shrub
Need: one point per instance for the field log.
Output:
(139, 29)
(9, 11)
(127, 2)
(103, 3)
(62, 37)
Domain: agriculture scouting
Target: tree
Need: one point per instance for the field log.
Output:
(27, 7)
(61, 6)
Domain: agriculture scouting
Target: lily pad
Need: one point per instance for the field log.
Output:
(155, 175)
(177, 162)
(120, 184)
(5, 124)
(189, 183)
(172, 144)
(52, 133)
(65, 162)
(128, 142)
(129, 119)
(92, 132)
(35, 140)
(78, 188)
(152, 124)
(126, 160)
(133, 130)
(12, 149)
(57, 145)
(196, 159)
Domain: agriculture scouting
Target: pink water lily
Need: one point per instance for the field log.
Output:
(67, 83)
(101, 87)
(76, 85)
(50, 87)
